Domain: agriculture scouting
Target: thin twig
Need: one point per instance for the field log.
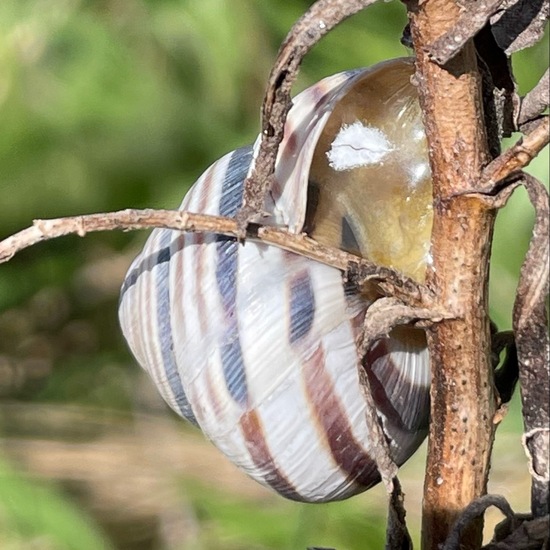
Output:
(473, 19)
(514, 159)
(359, 272)
(321, 18)
(358, 269)
(126, 220)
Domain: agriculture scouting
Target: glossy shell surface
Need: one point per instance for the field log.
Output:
(256, 345)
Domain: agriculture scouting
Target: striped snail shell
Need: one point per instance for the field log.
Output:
(256, 345)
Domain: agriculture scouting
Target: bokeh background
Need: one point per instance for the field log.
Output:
(108, 104)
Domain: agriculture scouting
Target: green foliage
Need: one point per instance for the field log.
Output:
(108, 104)
(36, 515)
(282, 525)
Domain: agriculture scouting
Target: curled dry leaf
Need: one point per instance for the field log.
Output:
(519, 24)
(530, 324)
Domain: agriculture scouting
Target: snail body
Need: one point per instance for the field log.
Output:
(258, 346)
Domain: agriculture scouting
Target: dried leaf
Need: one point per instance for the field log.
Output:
(530, 323)
(397, 534)
(520, 24)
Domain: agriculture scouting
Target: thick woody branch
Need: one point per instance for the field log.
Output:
(462, 400)
(358, 270)
(321, 18)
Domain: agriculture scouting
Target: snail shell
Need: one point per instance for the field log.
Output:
(256, 345)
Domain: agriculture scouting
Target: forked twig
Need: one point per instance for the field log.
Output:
(381, 317)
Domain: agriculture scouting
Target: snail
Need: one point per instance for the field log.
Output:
(257, 346)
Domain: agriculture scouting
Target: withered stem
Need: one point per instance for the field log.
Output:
(362, 270)
(462, 400)
(530, 322)
(512, 161)
(536, 101)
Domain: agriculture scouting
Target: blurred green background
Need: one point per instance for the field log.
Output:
(108, 104)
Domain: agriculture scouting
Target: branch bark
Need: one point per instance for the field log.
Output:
(470, 22)
(517, 157)
(463, 404)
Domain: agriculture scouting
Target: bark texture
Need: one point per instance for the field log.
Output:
(463, 403)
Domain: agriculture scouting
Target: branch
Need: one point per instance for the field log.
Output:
(514, 159)
(462, 400)
(321, 18)
(358, 270)
(127, 220)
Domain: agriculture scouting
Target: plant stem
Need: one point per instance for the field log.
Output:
(463, 404)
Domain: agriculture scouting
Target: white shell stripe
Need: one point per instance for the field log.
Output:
(156, 266)
(272, 370)
(262, 457)
(357, 469)
(146, 294)
(347, 451)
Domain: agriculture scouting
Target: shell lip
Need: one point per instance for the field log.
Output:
(305, 122)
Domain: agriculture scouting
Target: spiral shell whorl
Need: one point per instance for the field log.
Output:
(257, 346)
